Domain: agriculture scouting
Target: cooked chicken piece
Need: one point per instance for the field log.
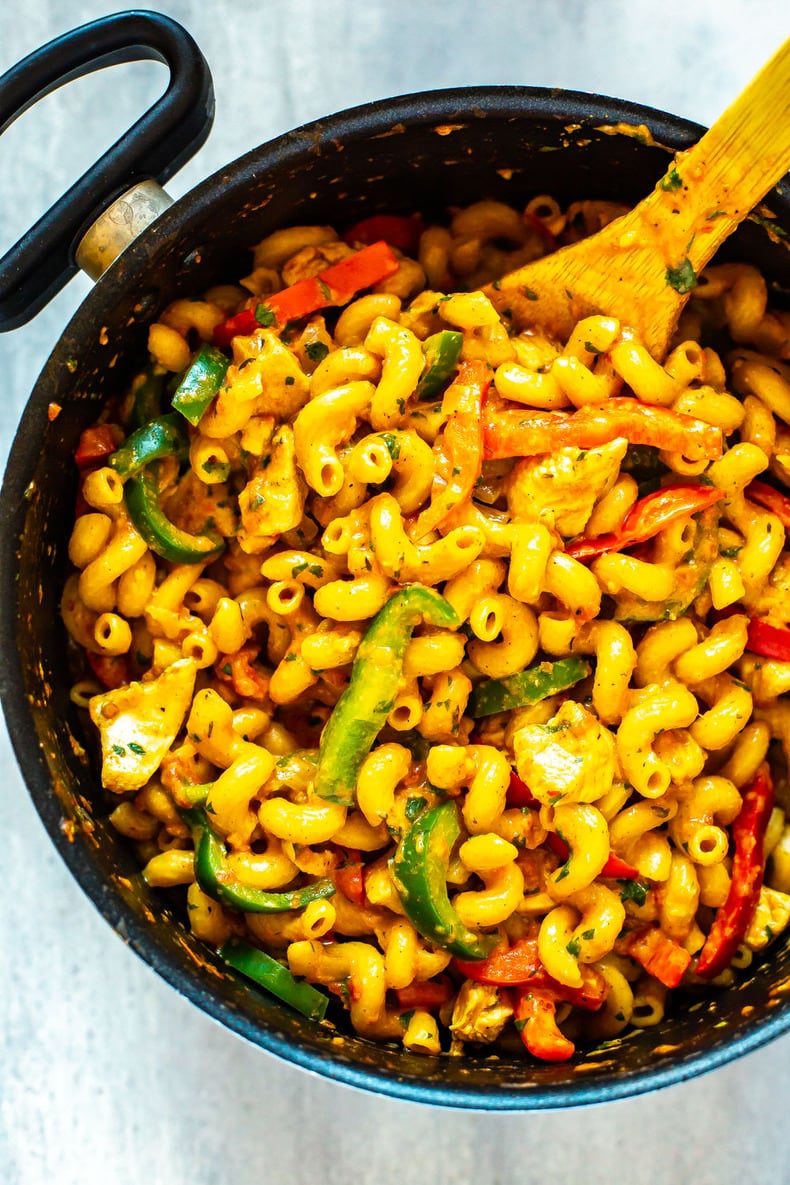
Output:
(480, 1013)
(197, 507)
(266, 373)
(311, 261)
(273, 499)
(569, 759)
(772, 599)
(139, 722)
(770, 918)
(561, 488)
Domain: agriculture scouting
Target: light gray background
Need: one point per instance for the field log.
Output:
(107, 1075)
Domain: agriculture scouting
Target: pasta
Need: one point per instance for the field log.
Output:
(441, 665)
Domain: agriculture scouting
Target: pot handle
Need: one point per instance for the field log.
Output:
(158, 144)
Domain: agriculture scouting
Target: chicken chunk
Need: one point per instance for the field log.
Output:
(311, 261)
(572, 758)
(770, 918)
(561, 488)
(139, 722)
(273, 500)
(480, 1012)
(267, 374)
(772, 599)
(197, 507)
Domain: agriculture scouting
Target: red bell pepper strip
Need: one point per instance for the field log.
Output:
(662, 958)
(614, 867)
(95, 444)
(549, 238)
(241, 325)
(395, 229)
(769, 641)
(647, 517)
(535, 1017)
(519, 793)
(518, 432)
(459, 450)
(112, 670)
(333, 286)
(770, 499)
(349, 877)
(429, 994)
(520, 964)
(732, 918)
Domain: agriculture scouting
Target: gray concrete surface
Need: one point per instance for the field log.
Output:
(106, 1074)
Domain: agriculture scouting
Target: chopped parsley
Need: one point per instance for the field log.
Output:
(393, 444)
(574, 948)
(316, 351)
(265, 316)
(682, 278)
(135, 748)
(531, 294)
(325, 290)
(671, 180)
(414, 807)
(635, 891)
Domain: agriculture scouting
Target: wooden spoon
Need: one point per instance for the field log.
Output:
(642, 267)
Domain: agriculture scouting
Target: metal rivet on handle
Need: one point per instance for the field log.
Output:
(119, 225)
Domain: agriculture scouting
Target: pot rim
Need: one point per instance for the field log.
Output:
(365, 120)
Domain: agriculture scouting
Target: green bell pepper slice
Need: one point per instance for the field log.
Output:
(161, 437)
(526, 687)
(442, 351)
(419, 873)
(362, 709)
(202, 380)
(277, 979)
(147, 390)
(141, 494)
(216, 879)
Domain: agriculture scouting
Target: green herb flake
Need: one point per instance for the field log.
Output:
(531, 294)
(226, 669)
(289, 380)
(393, 444)
(414, 807)
(265, 316)
(682, 278)
(138, 749)
(588, 935)
(297, 569)
(315, 570)
(671, 180)
(770, 225)
(574, 948)
(635, 891)
(325, 290)
(316, 351)
(119, 750)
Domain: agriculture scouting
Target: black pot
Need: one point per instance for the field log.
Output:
(426, 151)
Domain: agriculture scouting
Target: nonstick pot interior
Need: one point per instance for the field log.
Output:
(426, 152)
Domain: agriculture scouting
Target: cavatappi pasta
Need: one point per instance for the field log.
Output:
(444, 664)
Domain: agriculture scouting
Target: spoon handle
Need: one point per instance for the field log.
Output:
(710, 188)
